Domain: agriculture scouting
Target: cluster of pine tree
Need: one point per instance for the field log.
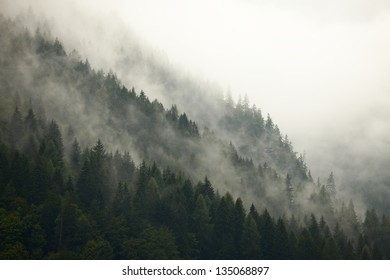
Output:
(241, 119)
(40, 74)
(59, 201)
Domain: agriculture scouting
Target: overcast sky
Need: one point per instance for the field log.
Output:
(320, 68)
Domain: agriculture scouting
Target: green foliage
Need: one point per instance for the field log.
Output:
(97, 250)
(202, 227)
(250, 242)
(283, 247)
(223, 233)
(153, 244)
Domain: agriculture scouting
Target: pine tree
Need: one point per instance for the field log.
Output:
(330, 250)
(85, 188)
(98, 153)
(75, 155)
(53, 133)
(122, 203)
(229, 100)
(250, 244)
(267, 235)
(269, 124)
(289, 190)
(315, 237)
(305, 246)
(202, 227)
(223, 234)
(172, 114)
(331, 186)
(206, 189)
(239, 219)
(283, 250)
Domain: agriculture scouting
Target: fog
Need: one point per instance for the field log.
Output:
(319, 68)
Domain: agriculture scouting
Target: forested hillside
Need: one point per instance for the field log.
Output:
(92, 169)
(92, 104)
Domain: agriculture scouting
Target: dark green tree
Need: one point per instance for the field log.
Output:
(283, 250)
(239, 219)
(202, 227)
(223, 234)
(267, 235)
(250, 243)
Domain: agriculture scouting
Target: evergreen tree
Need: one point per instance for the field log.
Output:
(75, 156)
(53, 134)
(289, 190)
(283, 250)
(250, 243)
(206, 189)
(315, 237)
(267, 235)
(239, 219)
(172, 114)
(122, 204)
(331, 186)
(223, 234)
(330, 250)
(305, 246)
(202, 227)
(85, 188)
(98, 154)
(269, 124)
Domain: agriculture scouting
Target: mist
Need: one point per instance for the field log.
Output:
(318, 68)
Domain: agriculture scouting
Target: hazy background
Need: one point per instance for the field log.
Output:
(318, 67)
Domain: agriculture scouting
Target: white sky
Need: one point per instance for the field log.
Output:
(320, 68)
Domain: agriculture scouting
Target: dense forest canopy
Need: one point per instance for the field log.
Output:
(91, 169)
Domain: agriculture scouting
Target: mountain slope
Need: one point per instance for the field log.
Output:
(93, 105)
(40, 82)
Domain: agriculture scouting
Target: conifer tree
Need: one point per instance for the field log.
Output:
(331, 186)
(250, 243)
